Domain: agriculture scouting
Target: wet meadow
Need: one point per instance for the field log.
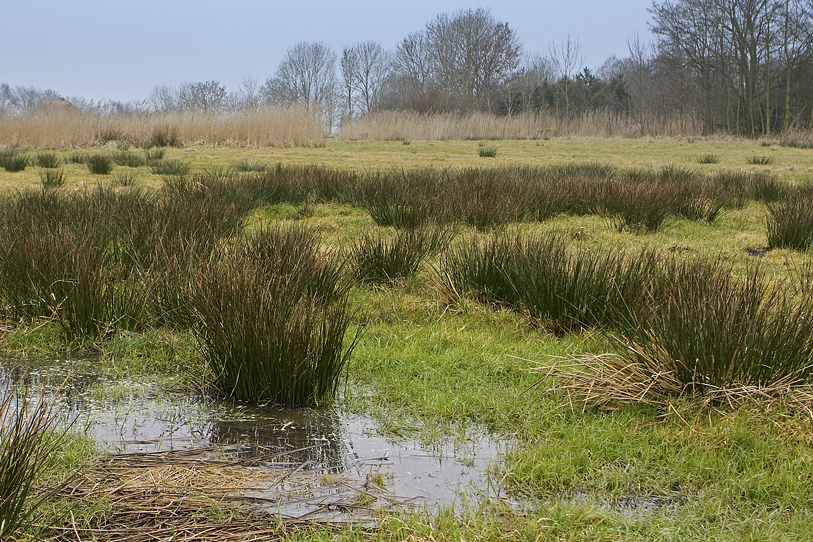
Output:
(604, 339)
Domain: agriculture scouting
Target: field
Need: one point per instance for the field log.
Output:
(612, 309)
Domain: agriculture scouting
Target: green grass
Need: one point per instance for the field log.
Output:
(434, 361)
(99, 163)
(13, 160)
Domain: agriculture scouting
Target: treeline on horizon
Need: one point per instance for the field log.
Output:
(743, 67)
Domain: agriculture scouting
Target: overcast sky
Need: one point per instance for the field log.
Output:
(122, 49)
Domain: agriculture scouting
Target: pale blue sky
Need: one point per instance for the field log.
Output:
(122, 49)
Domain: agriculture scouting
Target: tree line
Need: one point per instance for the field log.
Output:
(741, 66)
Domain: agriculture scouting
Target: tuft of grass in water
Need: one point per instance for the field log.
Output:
(13, 159)
(379, 260)
(790, 221)
(128, 158)
(99, 163)
(756, 160)
(273, 313)
(52, 178)
(169, 167)
(487, 152)
(48, 159)
(708, 159)
(29, 446)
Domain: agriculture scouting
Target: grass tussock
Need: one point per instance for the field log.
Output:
(128, 158)
(381, 260)
(273, 313)
(487, 152)
(169, 167)
(266, 127)
(48, 159)
(790, 221)
(709, 159)
(13, 159)
(756, 160)
(52, 178)
(99, 163)
(29, 445)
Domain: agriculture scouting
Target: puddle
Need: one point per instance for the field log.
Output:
(340, 466)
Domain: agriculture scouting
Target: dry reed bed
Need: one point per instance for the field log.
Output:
(265, 127)
(409, 125)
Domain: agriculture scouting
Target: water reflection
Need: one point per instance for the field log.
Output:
(332, 452)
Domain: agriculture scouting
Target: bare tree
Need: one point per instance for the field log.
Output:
(164, 98)
(203, 97)
(566, 59)
(365, 68)
(306, 75)
(248, 94)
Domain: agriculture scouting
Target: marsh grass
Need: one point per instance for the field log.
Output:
(708, 159)
(52, 178)
(712, 330)
(169, 167)
(273, 314)
(77, 157)
(29, 446)
(128, 158)
(790, 221)
(384, 260)
(126, 178)
(246, 165)
(13, 159)
(48, 159)
(154, 154)
(756, 160)
(487, 152)
(163, 136)
(99, 163)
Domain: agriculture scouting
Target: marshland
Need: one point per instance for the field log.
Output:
(614, 348)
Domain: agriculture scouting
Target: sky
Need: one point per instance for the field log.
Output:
(120, 50)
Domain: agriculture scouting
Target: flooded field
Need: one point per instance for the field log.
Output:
(326, 464)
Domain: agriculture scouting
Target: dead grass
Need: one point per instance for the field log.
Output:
(609, 381)
(267, 127)
(408, 125)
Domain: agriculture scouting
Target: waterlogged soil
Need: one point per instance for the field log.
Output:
(338, 465)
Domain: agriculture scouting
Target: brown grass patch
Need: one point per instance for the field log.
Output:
(266, 127)
(609, 381)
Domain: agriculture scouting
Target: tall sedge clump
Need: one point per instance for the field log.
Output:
(28, 448)
(272, 313)
(381, 260)
(712, 330)
(790, 221)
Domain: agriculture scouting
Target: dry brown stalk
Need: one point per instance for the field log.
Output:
(607, 381)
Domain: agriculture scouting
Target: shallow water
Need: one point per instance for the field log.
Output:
(341, 466)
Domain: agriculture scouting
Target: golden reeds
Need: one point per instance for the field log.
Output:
(264, 127)
(409, 125)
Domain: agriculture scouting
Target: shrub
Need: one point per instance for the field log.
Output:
(99, 164)
(48, 159)
(273, 327)
(169, 167)
(13, 159)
